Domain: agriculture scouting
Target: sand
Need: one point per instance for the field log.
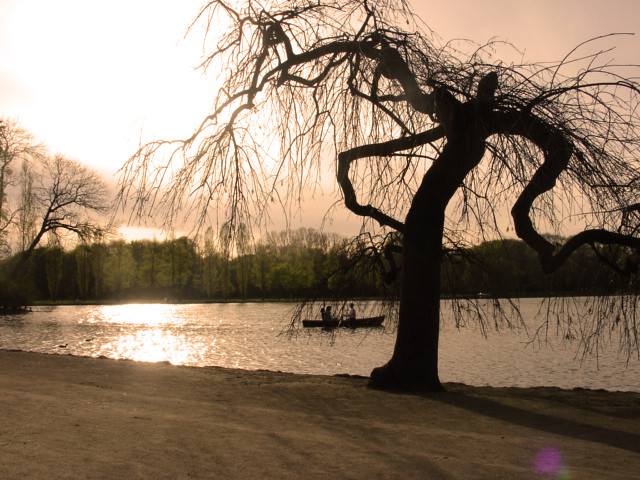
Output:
(71, 417)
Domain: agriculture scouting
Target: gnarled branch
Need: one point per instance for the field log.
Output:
(346, 158)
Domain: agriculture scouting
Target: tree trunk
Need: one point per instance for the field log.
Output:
(414, 364)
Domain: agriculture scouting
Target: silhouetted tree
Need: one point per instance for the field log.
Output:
(27, 213)
(425, 139)
(66, 195)
(17, 149)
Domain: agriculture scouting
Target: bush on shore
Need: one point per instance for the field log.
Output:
(12, 300)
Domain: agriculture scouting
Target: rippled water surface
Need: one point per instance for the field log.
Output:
(250, 336)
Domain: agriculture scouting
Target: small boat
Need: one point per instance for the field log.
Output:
(345, 322)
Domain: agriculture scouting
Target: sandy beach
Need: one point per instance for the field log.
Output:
(75, 418)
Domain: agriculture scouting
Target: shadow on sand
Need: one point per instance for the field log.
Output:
(592, 406)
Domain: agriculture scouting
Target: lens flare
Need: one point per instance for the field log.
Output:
(549, 463)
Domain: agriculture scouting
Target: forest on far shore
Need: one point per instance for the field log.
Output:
(298, 264)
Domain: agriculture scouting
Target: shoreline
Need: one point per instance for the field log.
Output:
(455, 385)
(84, 417)
(201, 301)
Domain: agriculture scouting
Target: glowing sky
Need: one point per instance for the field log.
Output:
(88, 78)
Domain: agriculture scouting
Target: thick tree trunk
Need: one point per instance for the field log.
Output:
(414, 364)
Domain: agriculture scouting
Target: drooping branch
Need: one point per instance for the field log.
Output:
(294, 60)
(591, 237)
(557, 151)
(337, 74)
(346, 158)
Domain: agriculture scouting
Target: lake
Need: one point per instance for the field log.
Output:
(256, 336)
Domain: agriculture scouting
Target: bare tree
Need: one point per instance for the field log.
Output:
(67, 196)
(425, 139)
(17, 147)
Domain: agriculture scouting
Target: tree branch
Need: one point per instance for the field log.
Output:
(557, 150)
(378, 149)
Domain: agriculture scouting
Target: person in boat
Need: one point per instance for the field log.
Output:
(322, 314)
(327, 314)
(351, 314)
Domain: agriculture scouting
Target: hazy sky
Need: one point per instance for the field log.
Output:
(88, 78)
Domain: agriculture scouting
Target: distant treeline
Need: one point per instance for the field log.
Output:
(290, 264)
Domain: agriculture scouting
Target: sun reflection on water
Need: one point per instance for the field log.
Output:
(155, 345)
(159, 335)
(145, 314)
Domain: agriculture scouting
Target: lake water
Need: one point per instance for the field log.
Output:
(254, 336)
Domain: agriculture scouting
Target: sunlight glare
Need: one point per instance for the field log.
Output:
(140, 314)
(156, 345)
(153, 333)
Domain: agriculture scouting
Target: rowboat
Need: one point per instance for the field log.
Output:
(345, 322)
